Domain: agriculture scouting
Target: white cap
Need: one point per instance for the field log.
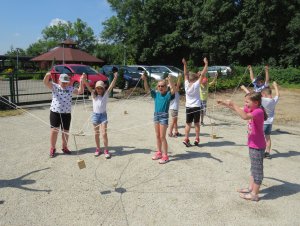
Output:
(64, 78)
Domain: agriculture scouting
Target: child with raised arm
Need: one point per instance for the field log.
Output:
(174, 108)
(193, 102)
(162, 98)
(99, 117)
(60, 110)
(259, 83)
(269, 104)
(255, 114)
(204, 85)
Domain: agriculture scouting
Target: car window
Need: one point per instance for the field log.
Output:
(59, 69)
(174, 69)
(84, 69)
(66, 70)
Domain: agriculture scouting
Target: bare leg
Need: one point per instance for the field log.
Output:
(201, 116)
(97, 135)
(104, 135)
(65, 138)
(268, 143)
(163, 131)
(172, 126)
(157, 133)
(197, 130)
(175, 124)
(187, 130)
(53, 136)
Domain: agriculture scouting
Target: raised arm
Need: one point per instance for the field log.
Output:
(276, 88)
(267, 80)
(113, 83)
(251, 73)
(214, 80)
(171, 83)
(177, 87)
(81, 87)
(185, 70)
(244, 89)
(46, 80)
(86, 83)
(146, 85)
(230, 104)
(204, 70)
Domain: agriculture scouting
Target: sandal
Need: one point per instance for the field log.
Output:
(244, 190)
(249, 196)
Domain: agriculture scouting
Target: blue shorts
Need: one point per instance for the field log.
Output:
(267, 129)
(161, 118)
(99, 118)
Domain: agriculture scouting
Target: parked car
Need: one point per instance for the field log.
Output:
(130, 75)
(174, 71)
(153, 72)
(225, 70)
(75, 71)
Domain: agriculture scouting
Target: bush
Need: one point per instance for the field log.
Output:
(120, 83)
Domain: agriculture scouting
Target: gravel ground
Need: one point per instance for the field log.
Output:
(197, 187)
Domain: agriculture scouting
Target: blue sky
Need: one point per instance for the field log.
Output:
(22, 21)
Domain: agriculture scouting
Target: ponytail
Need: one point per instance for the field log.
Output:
(265, 113)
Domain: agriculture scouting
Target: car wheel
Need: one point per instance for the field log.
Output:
(126, 86)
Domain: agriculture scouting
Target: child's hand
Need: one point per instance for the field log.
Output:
(275, 84)
(83, 77)
(115, 74)
(242, 87)
(183, 61)
(205, 61)
(144, 77)
(267, 67)
(249, 67)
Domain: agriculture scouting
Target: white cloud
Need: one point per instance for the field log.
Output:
(56, 21)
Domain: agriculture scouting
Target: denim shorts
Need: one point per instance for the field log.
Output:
(267, 129)
(99, 118)
(161, 118)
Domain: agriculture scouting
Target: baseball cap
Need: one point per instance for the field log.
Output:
(64, 78)
(100, 84)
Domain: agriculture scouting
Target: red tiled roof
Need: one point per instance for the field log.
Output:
(67, 54)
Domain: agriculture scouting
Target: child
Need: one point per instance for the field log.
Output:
(204, 85)
(193, 102)
(99, 117)
(174, 107)
(269, 104)
(60, 110)
(259, 82)
(255, 113)
(162, 98)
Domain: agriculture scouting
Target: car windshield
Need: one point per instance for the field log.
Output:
(174, 69)
(157, 70)
(131, 69)
(84, 69)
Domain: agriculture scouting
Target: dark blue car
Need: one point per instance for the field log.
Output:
(130, 75)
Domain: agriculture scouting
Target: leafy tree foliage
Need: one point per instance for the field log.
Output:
(226, 31)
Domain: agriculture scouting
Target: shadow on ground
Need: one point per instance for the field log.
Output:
(281, 190)
(19, 182)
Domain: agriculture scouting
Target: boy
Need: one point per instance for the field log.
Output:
(269, 104)
(258, 82)
(193, 102)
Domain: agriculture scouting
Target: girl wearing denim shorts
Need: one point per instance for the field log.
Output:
(99, 117)
(255, 114)
(162, 98)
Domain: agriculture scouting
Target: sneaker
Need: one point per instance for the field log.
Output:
(97, 152)
(164, 159)
(178, 134)
(187, 143)
(157, 155)
(52, 152)
(196, 142)
(66, 151)
(267, 155)
(107, 155)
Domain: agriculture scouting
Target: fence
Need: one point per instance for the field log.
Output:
(23, 89)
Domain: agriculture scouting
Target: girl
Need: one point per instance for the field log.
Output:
(60, 110)
(174, 107)
(99, 117)
(255, 113)
(162, 98)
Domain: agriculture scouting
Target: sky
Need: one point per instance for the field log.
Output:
(22, 21)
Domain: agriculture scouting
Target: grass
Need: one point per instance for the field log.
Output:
(7, 113)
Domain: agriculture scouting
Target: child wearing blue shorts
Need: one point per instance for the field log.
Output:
(162, 98)
(99, 117)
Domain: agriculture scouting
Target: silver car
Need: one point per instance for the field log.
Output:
(225, 70)
(151, 71)
(174, 71)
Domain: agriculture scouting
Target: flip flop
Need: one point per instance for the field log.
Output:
(244, 190)
(249, 196)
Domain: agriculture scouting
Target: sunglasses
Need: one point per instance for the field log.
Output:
(161, 86)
